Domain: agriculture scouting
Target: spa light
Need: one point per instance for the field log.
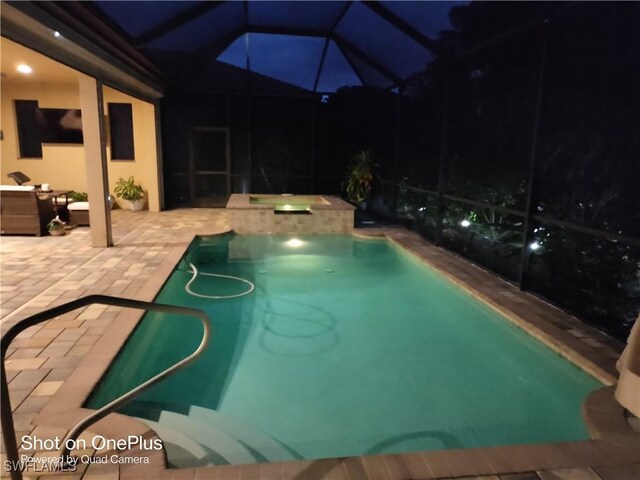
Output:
(294, 243)
(465, 223)
(534, 246)
(24, 68)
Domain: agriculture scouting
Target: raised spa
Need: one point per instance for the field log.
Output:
(301, 214)
(345, 347)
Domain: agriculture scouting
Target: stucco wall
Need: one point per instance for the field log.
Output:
(62, 166)
(144, 168)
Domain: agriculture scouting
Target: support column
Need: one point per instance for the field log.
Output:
(160, 161)
(92, 104)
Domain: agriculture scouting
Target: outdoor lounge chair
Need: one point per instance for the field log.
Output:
(22, 212)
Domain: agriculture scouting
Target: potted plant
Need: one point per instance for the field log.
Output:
(79, 196)
(56, 227)
(130, 192)
(359, 178)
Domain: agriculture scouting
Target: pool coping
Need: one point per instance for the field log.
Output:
(612, 437)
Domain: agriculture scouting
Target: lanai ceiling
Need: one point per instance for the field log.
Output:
(314, 45)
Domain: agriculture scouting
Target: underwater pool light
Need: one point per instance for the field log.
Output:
(294, 243)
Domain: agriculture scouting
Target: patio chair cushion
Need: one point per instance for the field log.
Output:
(17, 188)
(78, 206)
(79, 213)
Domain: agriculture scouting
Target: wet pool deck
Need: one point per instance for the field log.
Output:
(53, 367)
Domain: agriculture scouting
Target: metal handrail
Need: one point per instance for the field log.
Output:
(8, 430)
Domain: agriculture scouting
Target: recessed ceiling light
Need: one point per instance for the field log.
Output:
(24, 68)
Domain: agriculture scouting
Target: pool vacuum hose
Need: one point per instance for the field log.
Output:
(195, 274)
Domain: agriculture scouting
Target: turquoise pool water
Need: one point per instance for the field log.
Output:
(345, 347)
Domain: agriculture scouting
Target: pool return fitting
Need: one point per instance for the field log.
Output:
(195, 273)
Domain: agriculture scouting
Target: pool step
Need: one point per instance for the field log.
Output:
(207, 437)
(222, 445)
(182, 451)
(257, 440)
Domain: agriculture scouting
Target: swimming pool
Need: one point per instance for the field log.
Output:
(345, 347)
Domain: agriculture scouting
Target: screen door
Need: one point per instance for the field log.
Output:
(211, 166)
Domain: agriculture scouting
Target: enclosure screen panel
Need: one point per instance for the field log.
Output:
(203, 31)
(389, 46)
(430, 25)
(369, 75)
(139, 17)
(588, 168)
(336, 71)
(271, 55)
(308, 14)
(210, 150)
(493, 95)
